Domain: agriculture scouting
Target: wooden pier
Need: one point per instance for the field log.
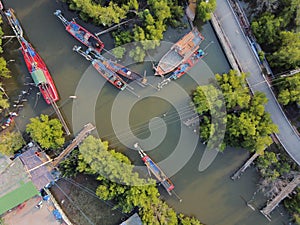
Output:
(284, 193)
(76, 141)
(238, 173)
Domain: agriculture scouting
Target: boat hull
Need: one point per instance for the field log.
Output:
(157, 172)
(121, 70)
(109, 75)
(187, 65)
(85, 37)
(36, 66)
(180, 52)
(34, 63)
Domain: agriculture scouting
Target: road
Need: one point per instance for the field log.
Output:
(247, 61)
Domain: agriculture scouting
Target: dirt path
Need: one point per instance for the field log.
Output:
(81, 207)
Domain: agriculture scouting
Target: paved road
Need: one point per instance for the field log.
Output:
(257, 82)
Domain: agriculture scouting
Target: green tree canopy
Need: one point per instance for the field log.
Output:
(247, 123)
(289, 89)
(47, 132)
(205, 8)
(10, 142)
(288, 54)
(266, 30)
(118, 182)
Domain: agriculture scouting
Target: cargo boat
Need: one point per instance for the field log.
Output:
(81, 34)
(109, 75)
(179, 52)
(155, 170)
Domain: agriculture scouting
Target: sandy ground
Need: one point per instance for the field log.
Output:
(29, 214)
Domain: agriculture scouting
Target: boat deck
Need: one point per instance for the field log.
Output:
(180, 52)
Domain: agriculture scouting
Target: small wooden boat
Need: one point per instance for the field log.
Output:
(81, 34)
(155, 170)
(109, 75)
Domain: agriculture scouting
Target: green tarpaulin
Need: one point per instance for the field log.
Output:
(18, 196)
(38, 77)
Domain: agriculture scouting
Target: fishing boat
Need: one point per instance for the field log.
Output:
(14, 23)
(118, 68)
(35, 64)
(109, 75)
(39, 72)
(155, 170)
(179, 52)
(9, 120)
(187, 65)
(81, 34)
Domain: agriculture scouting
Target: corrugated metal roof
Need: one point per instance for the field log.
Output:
(40, 174)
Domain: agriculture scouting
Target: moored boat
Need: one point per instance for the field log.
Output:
(39, 72)
(118, 68)
(13, 22)
(81, 34)
(187, 65)
(179, 52)
(121, 70)
(155, 170)
(35, 64)
(109, 75)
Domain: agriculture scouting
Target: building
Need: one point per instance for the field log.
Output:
(24, 177)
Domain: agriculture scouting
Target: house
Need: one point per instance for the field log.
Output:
(23, 177)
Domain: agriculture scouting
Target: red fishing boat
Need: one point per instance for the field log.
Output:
(39, 72)
(81, 34)
(35, 64)
(155, 170)
(187, 65)
(105, 72)
(118, 68)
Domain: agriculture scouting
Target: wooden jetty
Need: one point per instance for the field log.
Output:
(57, 111)
(238, 173)
(284, 193)
(76, 141)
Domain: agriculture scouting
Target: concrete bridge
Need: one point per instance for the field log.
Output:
(244, 58)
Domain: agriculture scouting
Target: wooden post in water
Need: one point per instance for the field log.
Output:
(284, 193)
